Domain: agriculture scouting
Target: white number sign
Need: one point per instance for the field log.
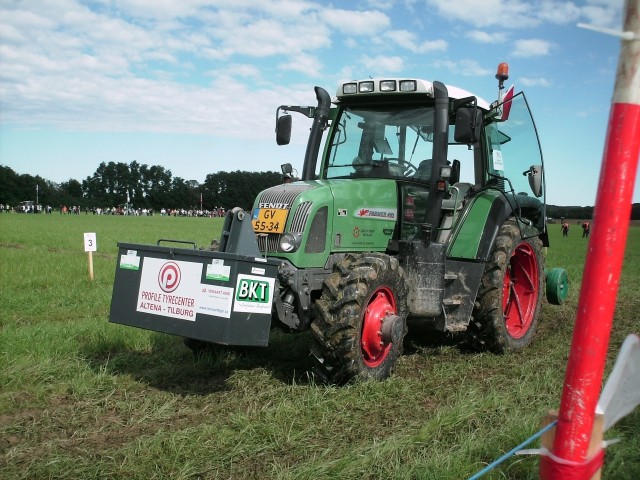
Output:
(90, 242)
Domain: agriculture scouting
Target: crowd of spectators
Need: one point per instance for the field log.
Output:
(119, 210)
(22, 207)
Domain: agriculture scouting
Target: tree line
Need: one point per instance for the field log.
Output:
(583, 213)
(154, 187)
(141, 186)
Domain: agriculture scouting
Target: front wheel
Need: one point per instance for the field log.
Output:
(508, 304)
(361, 318)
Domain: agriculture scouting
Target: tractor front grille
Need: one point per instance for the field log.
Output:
(300, 218)
(268, 243)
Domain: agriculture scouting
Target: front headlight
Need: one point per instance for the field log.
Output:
(290, 242)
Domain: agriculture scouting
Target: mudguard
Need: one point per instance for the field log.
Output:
(474, 236)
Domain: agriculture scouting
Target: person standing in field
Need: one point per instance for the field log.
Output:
(585, 229)
(565, 229)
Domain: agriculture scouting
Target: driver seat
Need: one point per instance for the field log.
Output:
(423, 172)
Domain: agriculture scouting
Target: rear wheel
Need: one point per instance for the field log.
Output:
(508, 304)
(361, 319)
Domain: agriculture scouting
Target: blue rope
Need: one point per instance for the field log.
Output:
(513, 451)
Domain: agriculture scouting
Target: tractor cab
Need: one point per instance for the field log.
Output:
(438, 146)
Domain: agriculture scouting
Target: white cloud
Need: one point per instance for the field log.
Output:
(346, 74)
(351, 22)
(483, 13)
(240, 70)
(464, 67)
(20, 22)
(561, 13)
(267, 37)
(351, 43)
(403, 38)
(381, 65)
(160, 9)
(481, 36)
(159, 65)
(432, 46)
(519, 14)
(306, 64)
(409, 41)
(100, 71)
(380, 4)
(605, 14)
(237, 32)
(533, 47)
(534, 82)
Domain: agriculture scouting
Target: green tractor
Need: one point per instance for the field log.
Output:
(426, 207)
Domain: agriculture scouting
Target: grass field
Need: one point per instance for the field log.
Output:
(82, 398)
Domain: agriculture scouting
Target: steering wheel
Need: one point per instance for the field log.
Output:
(408, 168)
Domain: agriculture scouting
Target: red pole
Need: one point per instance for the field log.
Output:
(603, 265)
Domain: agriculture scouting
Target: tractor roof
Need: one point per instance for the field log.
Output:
(399, 86)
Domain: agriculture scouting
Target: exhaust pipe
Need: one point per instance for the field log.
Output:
(315, 137)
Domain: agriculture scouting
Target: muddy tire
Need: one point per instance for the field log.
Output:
(508, 303)
(361, 319)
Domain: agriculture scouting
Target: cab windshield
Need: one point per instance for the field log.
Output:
(382, 142)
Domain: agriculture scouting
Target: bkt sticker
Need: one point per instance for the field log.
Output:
(254, 294)
(253, 291)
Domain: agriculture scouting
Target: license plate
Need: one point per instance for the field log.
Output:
(269, 220)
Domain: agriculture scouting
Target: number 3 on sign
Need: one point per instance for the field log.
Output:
(90, 242)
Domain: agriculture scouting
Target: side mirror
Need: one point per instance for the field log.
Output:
(467, 127)
(535, 179)
(455, 172)
(286, 168)
(283, 130)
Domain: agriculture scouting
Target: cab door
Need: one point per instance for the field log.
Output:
(515, 159)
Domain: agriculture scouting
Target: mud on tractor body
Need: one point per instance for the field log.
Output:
(422, 204)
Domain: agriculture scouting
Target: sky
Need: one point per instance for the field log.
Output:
(193, 85)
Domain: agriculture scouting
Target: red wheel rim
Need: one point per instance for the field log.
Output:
(520, 290)
(374, 350)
